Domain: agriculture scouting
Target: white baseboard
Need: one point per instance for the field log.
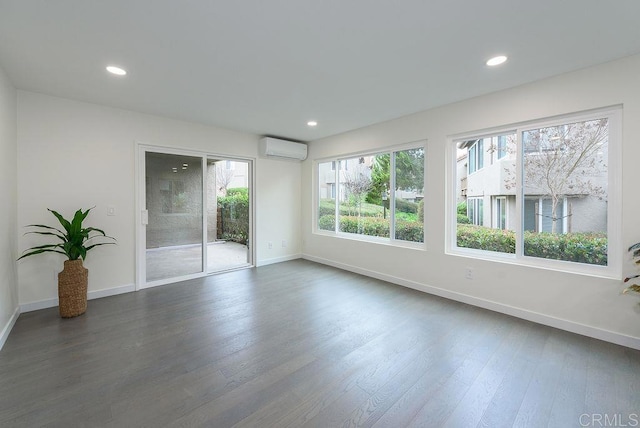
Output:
(96, 294)
(266, 262)
(559, 323)
(7, 328)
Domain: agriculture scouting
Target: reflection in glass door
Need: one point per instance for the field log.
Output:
(174, 232)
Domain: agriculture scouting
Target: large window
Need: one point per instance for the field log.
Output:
(375, 195)
(548, 186)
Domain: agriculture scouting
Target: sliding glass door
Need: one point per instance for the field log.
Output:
(187, 200)
(174, 205)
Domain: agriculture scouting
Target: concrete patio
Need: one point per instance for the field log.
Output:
(168, 262)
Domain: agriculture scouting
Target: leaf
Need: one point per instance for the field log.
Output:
(61, 237)
(44, 226)
(40, 252)
(63, 222)
(94, 229)
(45, 246)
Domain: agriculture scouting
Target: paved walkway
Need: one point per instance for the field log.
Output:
(167, 262)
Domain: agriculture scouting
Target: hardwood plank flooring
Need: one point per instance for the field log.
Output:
(299, 344)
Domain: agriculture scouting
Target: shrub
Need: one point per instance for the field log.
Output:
(412, 231)
(461, 208)
(238, 191)
(590, 248)
(421, 211)
(374, 226)
(328, 207)
(371, 226)
(406, 206)
(327, 222)
(234, 211)
(463, 219)
(486, 238)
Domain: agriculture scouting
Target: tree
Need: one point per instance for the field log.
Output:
(410, 169)
(565, 160)
(224, 177)
(357, 182)
(409, 173)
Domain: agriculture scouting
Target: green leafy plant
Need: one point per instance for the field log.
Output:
(590, 248)
(74, 238)
(234, 211)
(635, 255)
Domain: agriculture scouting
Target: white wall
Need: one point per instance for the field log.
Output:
(279, 187)
(579, 303)
(8, 199)
(73, 154)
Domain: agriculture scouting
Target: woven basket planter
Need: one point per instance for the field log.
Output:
(72, 289)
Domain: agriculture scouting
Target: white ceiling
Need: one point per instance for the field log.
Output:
(269, 66)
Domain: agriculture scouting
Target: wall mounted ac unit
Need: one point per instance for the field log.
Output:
(274, 147)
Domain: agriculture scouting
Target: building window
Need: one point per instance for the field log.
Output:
(501, 212)
(475, 210)
(378, 195)
(476, 155)
(502, 146)
(554, 181)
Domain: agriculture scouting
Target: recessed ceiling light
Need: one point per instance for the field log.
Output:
(116, 70)
(312, 123)
(496, 60)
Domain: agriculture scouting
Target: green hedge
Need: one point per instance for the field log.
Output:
(374, 226)
(406, 206)
(461, 208)
(238, 191)
(590, 248)
(328, 207)
(412, 231)
(463, 219)
(234, 209)
(486, 238)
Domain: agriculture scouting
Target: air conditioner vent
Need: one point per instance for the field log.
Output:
(283, 149)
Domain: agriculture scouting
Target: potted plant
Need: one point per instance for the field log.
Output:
(635, 254)
(75, 242)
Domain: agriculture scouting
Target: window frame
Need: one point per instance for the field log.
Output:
(614, 195)
(342, 158)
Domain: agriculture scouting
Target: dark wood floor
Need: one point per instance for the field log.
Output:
(301, 344)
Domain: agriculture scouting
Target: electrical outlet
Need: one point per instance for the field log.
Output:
(111, 210)
(468, 273)
(270, 244)
(284, 243)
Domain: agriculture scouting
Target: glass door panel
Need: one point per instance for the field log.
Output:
(228, 214)
(174, 233)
